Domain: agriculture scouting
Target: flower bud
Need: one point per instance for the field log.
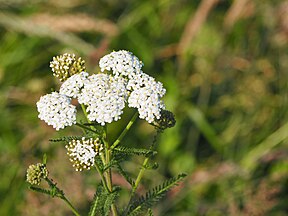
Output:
(66, 65)
(35, 173)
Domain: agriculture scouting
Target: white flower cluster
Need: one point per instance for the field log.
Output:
(56, 110)
(144, 92)
(82, 152)
(72, 86)
(122, 63)
(105, 97)
(146, 96)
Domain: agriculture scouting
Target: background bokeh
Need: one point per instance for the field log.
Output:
(224, 64)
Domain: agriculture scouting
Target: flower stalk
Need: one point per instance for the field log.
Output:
(124, 132)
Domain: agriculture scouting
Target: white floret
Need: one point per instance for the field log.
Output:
(72, 86)
(146, 96)
(105, 98)
(82, 151)
(121, 63)
(56, 110)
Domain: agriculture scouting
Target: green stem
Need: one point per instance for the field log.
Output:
(107, 179)
(92, 128)
(139, 177)
(142, 170)
(59, 193)
(137, 182)
(109, 182)
(102, 177)
(84, 127)
(119, 139)
(85, 112)
(108, 174)
(70, 206)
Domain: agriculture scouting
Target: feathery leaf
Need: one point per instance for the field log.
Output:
(98, 202)
(102, 201)
(125, 175)
(135, 151)
(65, 139)
(111, 198)
(153, 196)
(40, 190)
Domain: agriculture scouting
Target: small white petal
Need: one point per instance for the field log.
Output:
(56, 110)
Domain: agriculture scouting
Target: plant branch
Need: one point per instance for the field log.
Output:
(119, 139)
(55, 191)
(102, 177)
(139, 176)
(142, 170)
(70, 205)
(108, 175)
(84, 127)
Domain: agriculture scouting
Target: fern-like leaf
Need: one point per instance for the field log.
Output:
(125, 175)
(99, 163)
(102, 201)
(65, 139)
(98, 202)
(134, 151)
(111, 198)
(113, 163)
(40, 190)
(152, 166)
(153, 196)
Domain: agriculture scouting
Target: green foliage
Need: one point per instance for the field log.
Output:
(125, 175)
(134, 151)
(65, 139)
(149, 212)
(122, 153)
(40, 190)
(153, 196)
(103, 200)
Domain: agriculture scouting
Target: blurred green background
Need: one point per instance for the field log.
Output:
(224, 64)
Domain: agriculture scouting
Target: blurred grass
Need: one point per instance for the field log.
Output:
(224, 64)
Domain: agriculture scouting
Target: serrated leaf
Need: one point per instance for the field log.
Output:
(111, 198)
(40, 190)
(99, 163)
(113, 163)
(98, 202)
(153, 196)
(125, 175)
(102, 201)
(152, 166)
(134, 151)
(65, 139)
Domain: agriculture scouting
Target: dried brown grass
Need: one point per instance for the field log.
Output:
(75, 23)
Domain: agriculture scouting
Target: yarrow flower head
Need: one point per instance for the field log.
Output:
(56, 110)
(105, 97)
(146, 96)
(72, 86)
(66, 65)
(35, 173)
(105, 94)
(82, 152)
(121, 63)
